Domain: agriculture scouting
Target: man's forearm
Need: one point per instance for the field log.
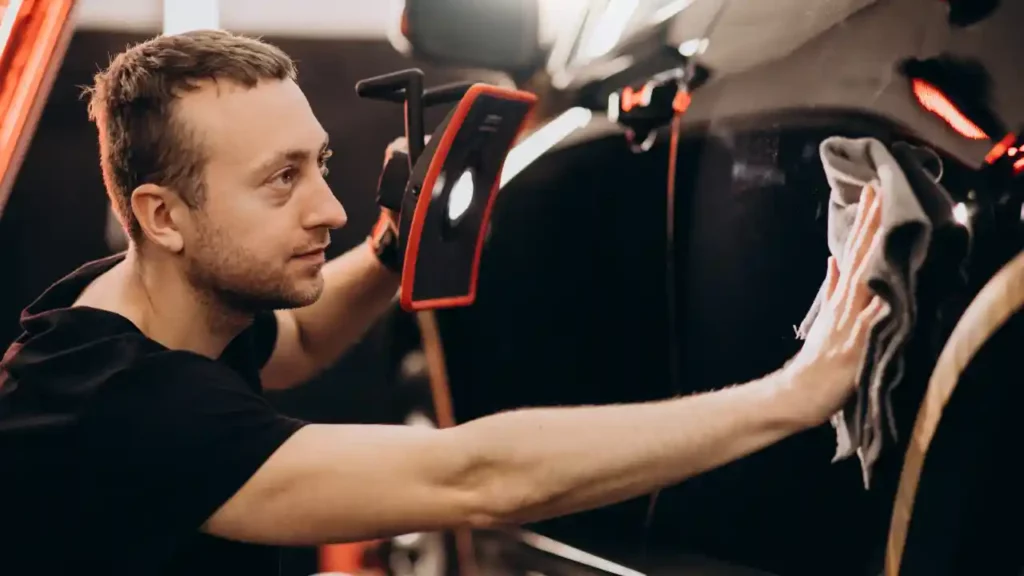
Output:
(535, 464)
(357, 291)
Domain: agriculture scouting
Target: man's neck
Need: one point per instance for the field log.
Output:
(155, 296)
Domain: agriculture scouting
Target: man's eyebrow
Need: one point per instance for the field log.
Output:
(291, 155)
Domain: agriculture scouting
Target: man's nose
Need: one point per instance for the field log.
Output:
(327, 211)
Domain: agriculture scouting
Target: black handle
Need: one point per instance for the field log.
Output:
(406, 86)
(385, 87)
(446, 93)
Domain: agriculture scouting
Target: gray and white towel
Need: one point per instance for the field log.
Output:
(911, 203)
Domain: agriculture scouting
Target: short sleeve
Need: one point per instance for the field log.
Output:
(170, 441)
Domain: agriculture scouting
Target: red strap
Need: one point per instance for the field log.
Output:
(680, 104)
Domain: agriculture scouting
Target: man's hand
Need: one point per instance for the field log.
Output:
(394, 178)
(397, 146)
(825, 371)
(400, 146)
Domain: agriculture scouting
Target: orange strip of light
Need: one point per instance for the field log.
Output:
(636, 98)
(38, 30)
(1001, 147)
(933, 100)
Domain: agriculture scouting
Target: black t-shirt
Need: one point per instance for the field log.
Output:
(114, 450)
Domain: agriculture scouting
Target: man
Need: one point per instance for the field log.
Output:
(133, 434)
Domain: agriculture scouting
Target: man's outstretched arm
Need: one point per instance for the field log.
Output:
(337, 483)
(333, 483)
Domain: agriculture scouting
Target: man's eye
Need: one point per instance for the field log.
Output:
(287, 177)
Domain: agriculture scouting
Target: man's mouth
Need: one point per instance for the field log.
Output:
(314, 254)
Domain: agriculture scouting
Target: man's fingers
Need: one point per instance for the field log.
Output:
(876, 310)
(857, 292)
(863, 233)
(882, 312)
(858, 243)
(400, 145)
(859, 277)
(397, 145)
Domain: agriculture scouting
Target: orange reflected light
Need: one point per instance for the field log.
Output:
(933, 100)
(636, 98)
(681, 103)
(1002, 147)
(33, 37)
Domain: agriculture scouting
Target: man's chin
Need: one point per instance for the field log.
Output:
(305, 294)
(299, 296)
(299, 303)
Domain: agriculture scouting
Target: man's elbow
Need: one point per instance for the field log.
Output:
(498, 492)
(312, 490)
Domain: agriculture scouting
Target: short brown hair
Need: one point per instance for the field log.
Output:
(132, 104)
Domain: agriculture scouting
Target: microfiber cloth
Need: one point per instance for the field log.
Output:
(911, 202)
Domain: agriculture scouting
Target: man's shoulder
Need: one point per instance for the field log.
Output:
(173, 365)
(99, 370)
(83, 347)
(165, 389)
(181, 369)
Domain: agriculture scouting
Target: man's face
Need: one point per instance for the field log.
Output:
(257, 240)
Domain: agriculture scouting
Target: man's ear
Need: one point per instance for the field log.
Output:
(161, 214)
